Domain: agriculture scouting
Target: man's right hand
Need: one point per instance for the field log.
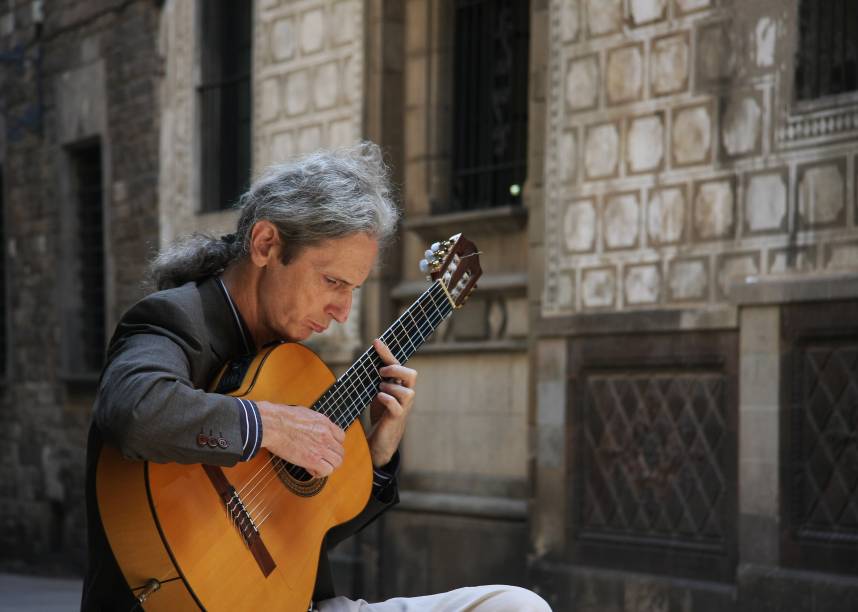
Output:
(302, 436)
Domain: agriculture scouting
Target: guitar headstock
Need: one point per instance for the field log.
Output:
(456, 263)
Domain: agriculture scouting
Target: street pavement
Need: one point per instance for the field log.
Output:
(29, 593)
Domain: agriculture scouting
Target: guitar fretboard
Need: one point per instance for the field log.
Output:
(344, 401)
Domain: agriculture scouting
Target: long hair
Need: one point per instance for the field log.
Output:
(326, 195)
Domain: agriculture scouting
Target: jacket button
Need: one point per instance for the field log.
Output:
(203, 439)
(223, 442)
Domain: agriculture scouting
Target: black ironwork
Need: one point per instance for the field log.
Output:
(827, 59)
(3, 322)
(90, 341)
(490, 123)
(225, 101)
(821, 454)
(654, 463)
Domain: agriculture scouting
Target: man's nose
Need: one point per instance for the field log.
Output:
(339, 309)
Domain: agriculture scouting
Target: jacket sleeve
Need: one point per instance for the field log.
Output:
(147, 404)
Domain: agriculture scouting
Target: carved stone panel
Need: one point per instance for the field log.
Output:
(654, 478)
(820, 453)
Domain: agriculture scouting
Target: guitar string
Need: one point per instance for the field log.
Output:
(258, 482)
(395, 342)
(438, 316)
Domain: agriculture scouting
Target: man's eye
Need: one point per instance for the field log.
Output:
(332, 281)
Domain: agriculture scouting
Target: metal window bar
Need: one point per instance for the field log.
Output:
(490, 123)
(225, 102)
(827, 58)
(90, 343)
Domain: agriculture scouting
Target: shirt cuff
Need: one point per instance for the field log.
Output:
(251, 428)
(383, 476)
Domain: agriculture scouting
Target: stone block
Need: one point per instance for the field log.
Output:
(741, 126)
(760, 334)
(734, 267)
(624, 74)
(669, 64)
(599, 287)
(567, 156)
(645, 143)
(283, 39)
(666, 215)
(766, 202)
(282, 147)
(579, 226)
(841, 256)
(604, 16)
(516, 325)
(342, 132)
(647, 11)
(689, 6)
(798, 259)
(312, 31)
(642, 284)
(344, 16)
(602, 150)
(765, 42)
(415, 81)
(582, 83)
(714, 210)
(692, 135)
(297, 92)
(716, 59)
(688, 280)
(621, 221)
(759, 539)
(564, 289)
(326, 85)
(570, 17)
(416, 19)
(309, 139)
(821, 194)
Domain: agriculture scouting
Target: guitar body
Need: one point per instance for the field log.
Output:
(170, 522)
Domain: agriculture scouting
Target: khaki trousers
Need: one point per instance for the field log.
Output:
(491, 598)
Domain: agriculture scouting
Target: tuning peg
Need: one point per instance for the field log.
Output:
(429, 254)
(424, 266)
(435, 246)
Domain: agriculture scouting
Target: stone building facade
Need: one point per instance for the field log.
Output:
(79, 158)
(649, 402)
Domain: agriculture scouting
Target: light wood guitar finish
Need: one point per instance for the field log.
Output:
(249, 537)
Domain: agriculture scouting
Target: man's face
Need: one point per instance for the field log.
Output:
(303, 296)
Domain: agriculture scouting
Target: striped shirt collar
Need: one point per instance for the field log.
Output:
(239, 322)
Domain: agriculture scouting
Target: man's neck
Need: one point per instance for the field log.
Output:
(242, 282)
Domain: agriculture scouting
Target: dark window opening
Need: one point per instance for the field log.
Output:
(224, 99)
(86, 333)
(827, 59)
(490, 137)
(3, 322)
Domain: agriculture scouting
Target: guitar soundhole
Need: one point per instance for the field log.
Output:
(297, 479)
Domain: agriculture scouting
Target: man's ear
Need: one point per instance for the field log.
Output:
(264, 243)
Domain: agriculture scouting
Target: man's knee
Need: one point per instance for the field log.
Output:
(516, 599)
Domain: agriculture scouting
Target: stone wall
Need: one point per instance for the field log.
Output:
(82, 71)
(678, 161)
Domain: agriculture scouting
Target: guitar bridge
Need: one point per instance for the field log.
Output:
(241, 519)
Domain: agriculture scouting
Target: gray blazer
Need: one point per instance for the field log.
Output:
(151, 405)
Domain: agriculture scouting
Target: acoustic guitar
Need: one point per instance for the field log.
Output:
(249, 537)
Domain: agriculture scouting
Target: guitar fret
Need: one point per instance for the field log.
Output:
(351, 393)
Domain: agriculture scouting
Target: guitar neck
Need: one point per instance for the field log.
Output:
(344, 401)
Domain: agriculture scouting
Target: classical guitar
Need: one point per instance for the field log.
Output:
(249, 537)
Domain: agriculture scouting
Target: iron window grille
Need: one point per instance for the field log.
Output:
(87, 337)
(225, 102)
(827, 59)
(490, 103)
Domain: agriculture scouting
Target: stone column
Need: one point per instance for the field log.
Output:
(759, 435)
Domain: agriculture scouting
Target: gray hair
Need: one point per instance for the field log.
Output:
(326, 195)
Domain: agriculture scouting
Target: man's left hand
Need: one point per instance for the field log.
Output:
(391, 406)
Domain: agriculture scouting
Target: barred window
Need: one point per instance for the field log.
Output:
(85, 335)
(827, 59)
(224, 101)
(490, 123)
